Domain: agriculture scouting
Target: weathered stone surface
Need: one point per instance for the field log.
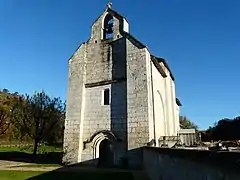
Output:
(181, 164)
(73, 111)
(123, 65)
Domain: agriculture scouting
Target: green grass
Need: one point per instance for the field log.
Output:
(39, 165)
(22, 175)
(17, 175)
(29, 149)
(9, 149)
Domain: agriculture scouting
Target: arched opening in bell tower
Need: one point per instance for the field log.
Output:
(108, 27)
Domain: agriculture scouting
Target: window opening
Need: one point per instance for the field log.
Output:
(106, 97)
(108, 27)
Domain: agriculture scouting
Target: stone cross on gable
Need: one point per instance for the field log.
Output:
(109, 4)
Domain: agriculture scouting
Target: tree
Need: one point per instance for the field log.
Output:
(55, 137)
(5, 90)
(37, 116)
(4, 124)
(5, 110)
(185, 123)
(224, 129)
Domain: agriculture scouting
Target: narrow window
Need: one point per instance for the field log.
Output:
(106, 97)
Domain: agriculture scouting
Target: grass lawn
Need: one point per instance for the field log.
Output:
(23, 175)
(17, 175)
(56, 174)
(9, 149)
(45, 155)
(40, 165)
(29, 149)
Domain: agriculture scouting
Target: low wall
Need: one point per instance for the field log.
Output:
(193, 148)
(183, 164)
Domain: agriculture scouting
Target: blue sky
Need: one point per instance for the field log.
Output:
(199, 39)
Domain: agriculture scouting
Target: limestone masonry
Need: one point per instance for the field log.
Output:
(120, 97)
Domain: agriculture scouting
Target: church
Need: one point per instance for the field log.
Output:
(120, 97)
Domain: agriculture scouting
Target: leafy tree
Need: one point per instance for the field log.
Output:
(16, 93)
(5, 90)
(37, 116)
(224, 129)
(4, 124)
(5, 110)
(55, 137)
(185, 123)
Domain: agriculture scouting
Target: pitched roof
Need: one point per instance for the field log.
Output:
(166, 65)
(134, 40)
(157, 65)
(178, 102)
(114, 13)
(156, 60)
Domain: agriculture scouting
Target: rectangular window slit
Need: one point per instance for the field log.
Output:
(106, 96)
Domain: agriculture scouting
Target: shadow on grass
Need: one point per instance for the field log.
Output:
(47, 158)
(85, 171)
(90, 170)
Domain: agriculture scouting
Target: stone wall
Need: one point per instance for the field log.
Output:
(177, 115)
(170, 102)
(123, 65)
(99, 62)
(179, 164)
(74, 105)
(96, 65)
(159, 103)
(96, 117)
(152, 124)
(137, 96)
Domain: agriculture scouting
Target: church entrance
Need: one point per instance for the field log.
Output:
(106, 154)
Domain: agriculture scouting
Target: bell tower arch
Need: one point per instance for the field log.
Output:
(109, 26)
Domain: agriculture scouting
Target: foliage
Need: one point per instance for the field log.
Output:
(224, 129)
(3, 119)
(39, 117)
(5, 109)
(186, 123)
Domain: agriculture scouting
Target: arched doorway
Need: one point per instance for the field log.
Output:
(106, 154)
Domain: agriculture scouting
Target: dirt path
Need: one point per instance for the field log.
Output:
(45, 169)
(19, 166)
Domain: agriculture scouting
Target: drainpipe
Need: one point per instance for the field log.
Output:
(154, 123)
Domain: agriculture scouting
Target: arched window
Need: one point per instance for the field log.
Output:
(108, 27)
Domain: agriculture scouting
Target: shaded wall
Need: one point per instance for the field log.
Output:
(179, 164)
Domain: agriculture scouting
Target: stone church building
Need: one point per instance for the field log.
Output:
(120, 96)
